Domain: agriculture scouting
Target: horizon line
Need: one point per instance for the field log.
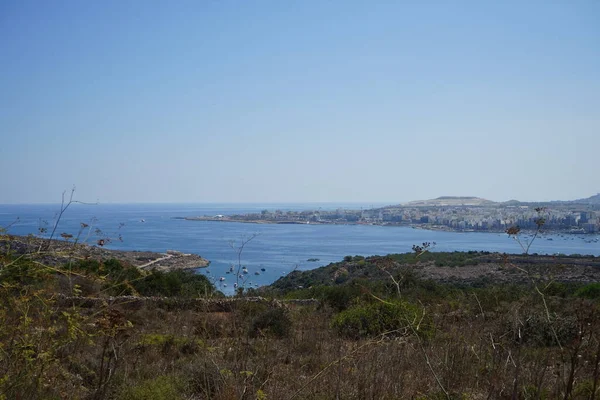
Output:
(396, 202)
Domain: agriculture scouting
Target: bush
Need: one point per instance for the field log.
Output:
(174, 283)
(120, 279)
(167, 343)
(338, 297)
(341, 278)
(591, 291)
(275, 322)
(558, 289)
(160, 388)
(533, 329)
(368, 320)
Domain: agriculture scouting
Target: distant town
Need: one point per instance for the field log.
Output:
(445, 213)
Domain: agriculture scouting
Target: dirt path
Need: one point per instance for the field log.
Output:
(166, 257)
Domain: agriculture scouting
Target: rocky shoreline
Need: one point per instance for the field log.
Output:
(56, 252)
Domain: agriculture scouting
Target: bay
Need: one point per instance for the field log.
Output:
(278, 249)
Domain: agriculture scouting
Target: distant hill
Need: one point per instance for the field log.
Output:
(458, 201)
(511, 203)
(590, 200)
(451, 201)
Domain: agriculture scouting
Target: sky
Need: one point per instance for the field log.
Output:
(299, 101)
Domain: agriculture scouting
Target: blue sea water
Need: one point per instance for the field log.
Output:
(278, 249)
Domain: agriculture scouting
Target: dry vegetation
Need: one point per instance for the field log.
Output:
(67, 331)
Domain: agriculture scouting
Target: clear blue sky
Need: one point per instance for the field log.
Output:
(298, 101)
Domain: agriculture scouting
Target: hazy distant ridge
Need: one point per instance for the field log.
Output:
(595, 199)
(451, 201)
(457, 201)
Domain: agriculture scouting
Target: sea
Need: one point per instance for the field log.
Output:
(273, 250)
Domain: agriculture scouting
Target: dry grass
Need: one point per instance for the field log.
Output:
(216, 355)
(491, 343)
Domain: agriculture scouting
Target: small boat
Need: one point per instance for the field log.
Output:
(221, 279)
(263, 270)
(142, 220)
(257, 273)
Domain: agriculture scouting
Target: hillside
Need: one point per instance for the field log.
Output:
(459, 268)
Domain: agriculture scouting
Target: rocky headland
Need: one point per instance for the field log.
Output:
(57, 252)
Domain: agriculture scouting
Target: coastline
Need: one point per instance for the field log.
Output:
(441, 228)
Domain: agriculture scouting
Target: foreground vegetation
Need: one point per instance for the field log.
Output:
(389, 334)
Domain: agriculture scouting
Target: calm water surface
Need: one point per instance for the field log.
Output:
(278, 249)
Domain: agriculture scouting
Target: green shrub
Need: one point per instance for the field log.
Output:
(160, 388)
(373, 319)
(338, 297)
(341, 278)
(174, 283)
(591, 291)
(251, 309)
(116, 276)
(24, 272)
(275, 322)
(558, 289)
(168, 342)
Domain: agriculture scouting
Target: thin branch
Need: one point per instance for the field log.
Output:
(239, 250)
